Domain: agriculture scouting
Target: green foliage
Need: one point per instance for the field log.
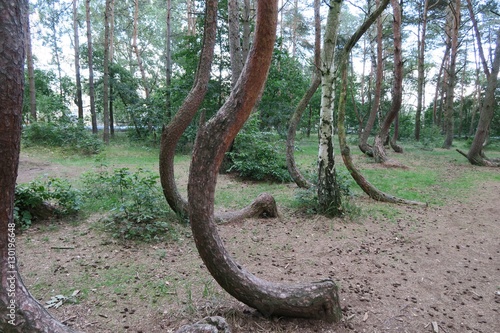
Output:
(258, 155)
(307, 199)
(137, 208)
(67, 135)
(431, 137)
(42, 199)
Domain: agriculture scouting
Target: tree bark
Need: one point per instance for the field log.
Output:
(247, 31)
(450, 94)
(299, 110)
(168, 60)
(78, 100)
(329, 197)
(91, 68)
(137, 52)
(421, 71)
(363, 142)
(475, 154)
(235, 51)
(105, 98)
(19, 311)
(379, 153)
(31, 68)
(173, 131)
(316, 300)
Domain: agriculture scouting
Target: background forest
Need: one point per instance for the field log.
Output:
(151, 54)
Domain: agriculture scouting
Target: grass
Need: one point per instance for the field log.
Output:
(433, 176)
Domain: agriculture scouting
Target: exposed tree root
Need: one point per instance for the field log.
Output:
(481, 160)
(264, 206)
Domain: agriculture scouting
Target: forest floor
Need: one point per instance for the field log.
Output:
(398, 268)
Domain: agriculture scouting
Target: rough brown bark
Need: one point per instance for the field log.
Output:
(475, 154)
(379, 153)
(19, 311)
(315, 300)
(296, 175)
(105, 96)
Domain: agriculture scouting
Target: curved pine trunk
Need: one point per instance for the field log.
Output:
(314, 300)
(19, 311)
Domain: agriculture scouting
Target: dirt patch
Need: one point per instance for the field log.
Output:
(425, 266)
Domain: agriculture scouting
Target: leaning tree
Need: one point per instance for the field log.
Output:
(314, 300)
(263, 205)
(19, 311)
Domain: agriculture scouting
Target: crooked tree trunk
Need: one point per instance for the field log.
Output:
(329, 197)
(365, 185)
(296, 175)
(475, 154)
(450, 94)
(363, 142)
(173, 131)
(19, 311)
(315, 300)
(261, 206)
(379, 153)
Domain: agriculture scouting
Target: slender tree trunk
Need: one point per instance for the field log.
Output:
(31, 68)
(107, 13)
(317, 300)
(477, 101)
(91, 68)
(19, 311)
(168, 61)
(379, 152)
(191, 18)
(299, 110)
(421, 71)
(450, 94)
(247, 30)
(79, 101)
(137, 52)
(329, 197)
(475, 154)
(235, 50)
(435, 119)
(462, 94)
(379, 76)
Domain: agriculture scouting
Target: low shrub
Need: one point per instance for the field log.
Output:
(44, 199)
(68, 135)
(258, 155)
(137, 208)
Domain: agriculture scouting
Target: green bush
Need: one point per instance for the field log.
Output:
(68, 135)
(431, 137)
(138, 210)
(258, 155)
(39, 200)
(307, 199)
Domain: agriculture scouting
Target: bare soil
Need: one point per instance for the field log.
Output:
(419, 270)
